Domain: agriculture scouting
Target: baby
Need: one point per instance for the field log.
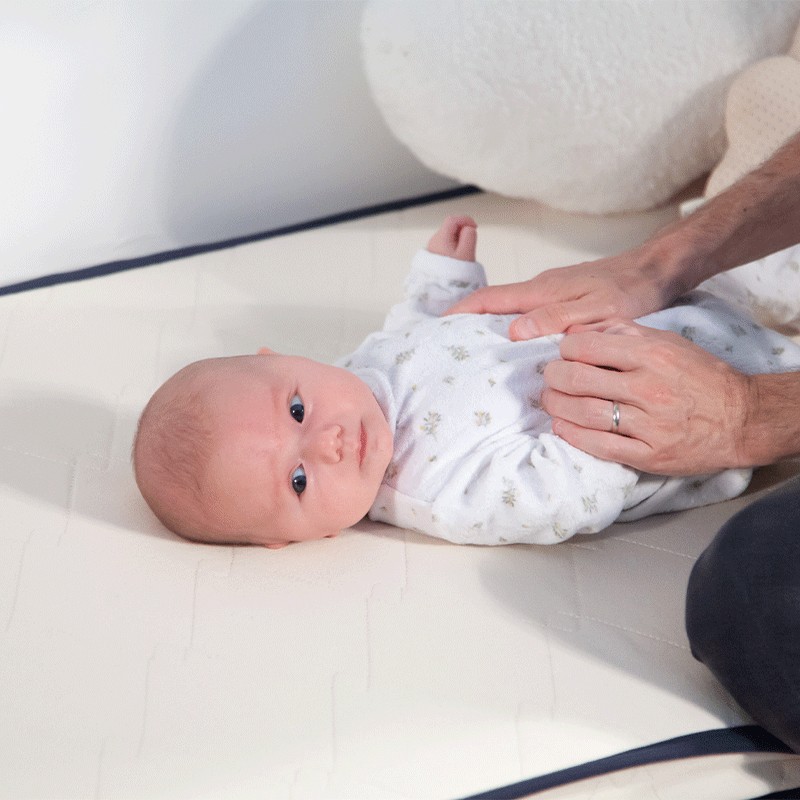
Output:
(433, 424)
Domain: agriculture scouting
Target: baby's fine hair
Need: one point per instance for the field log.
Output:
(171, 451)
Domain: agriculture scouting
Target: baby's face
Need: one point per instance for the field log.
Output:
(303, 448)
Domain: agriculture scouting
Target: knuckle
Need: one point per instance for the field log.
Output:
(599, 416)
(595, 343)
(667, 350)
(557, 316)
(572, 346)
(569, 379)
(662, 352)
(660, 395)
(615, 449)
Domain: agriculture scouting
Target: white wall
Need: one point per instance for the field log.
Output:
(133, 127)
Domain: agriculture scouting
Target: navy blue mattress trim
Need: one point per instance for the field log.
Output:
(742, 739)
(170, 255)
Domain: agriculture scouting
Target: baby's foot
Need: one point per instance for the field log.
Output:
(456, 238)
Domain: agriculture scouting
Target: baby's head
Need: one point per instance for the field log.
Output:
(265, 449)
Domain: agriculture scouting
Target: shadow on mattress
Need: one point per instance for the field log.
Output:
(618, 597)
(615, 598)
(68, 456)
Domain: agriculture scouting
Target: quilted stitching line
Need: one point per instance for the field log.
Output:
(624, 628)
(659, 549)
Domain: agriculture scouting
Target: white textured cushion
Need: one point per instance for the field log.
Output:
(586, 106)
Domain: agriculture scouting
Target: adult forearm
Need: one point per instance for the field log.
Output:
(772, 424)
(758, 215)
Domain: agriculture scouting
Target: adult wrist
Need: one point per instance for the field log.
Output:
(675, 262)
(771, 427)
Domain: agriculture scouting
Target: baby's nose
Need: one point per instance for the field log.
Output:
(326, 444)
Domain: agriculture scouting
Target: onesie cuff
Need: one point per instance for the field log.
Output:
(458, 277)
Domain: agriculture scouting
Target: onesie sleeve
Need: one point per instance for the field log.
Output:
(538, 490)
(433, 285)
(532, 490)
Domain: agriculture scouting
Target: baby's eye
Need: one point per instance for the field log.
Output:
(296, 408)
(299, 480)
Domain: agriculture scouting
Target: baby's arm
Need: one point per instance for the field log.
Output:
(456, 238)
(440, 275)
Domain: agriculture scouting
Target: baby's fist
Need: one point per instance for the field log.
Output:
(456, 238)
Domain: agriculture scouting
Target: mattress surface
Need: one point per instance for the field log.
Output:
(381, 664)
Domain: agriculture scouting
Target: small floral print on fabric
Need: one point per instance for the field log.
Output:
(402, 358)
(559, 531)
(483, 418)
(458, 352)
(430, 423)
(509, 496)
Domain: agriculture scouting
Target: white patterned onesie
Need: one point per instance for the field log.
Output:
(475, 460)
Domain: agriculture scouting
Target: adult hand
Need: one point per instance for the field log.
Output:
(681, 410)
(758, 215)
(625, 286)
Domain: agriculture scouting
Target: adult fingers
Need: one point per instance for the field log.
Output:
(621, 347)
(609, 446)
(559, 317)
(593, 412)
(502, 299)
(616, 326)
(577, 379)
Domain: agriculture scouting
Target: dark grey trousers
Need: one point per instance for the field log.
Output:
(743, 610)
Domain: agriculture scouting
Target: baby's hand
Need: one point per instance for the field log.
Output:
(456, 238)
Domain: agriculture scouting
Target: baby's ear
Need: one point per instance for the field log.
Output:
(265, 351)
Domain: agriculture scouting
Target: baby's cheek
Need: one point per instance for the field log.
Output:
(354, 502)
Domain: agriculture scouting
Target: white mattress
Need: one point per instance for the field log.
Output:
(381, 664)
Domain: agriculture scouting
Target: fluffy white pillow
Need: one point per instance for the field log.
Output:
(594, 106)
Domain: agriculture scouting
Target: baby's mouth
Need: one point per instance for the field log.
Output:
(362, 447)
